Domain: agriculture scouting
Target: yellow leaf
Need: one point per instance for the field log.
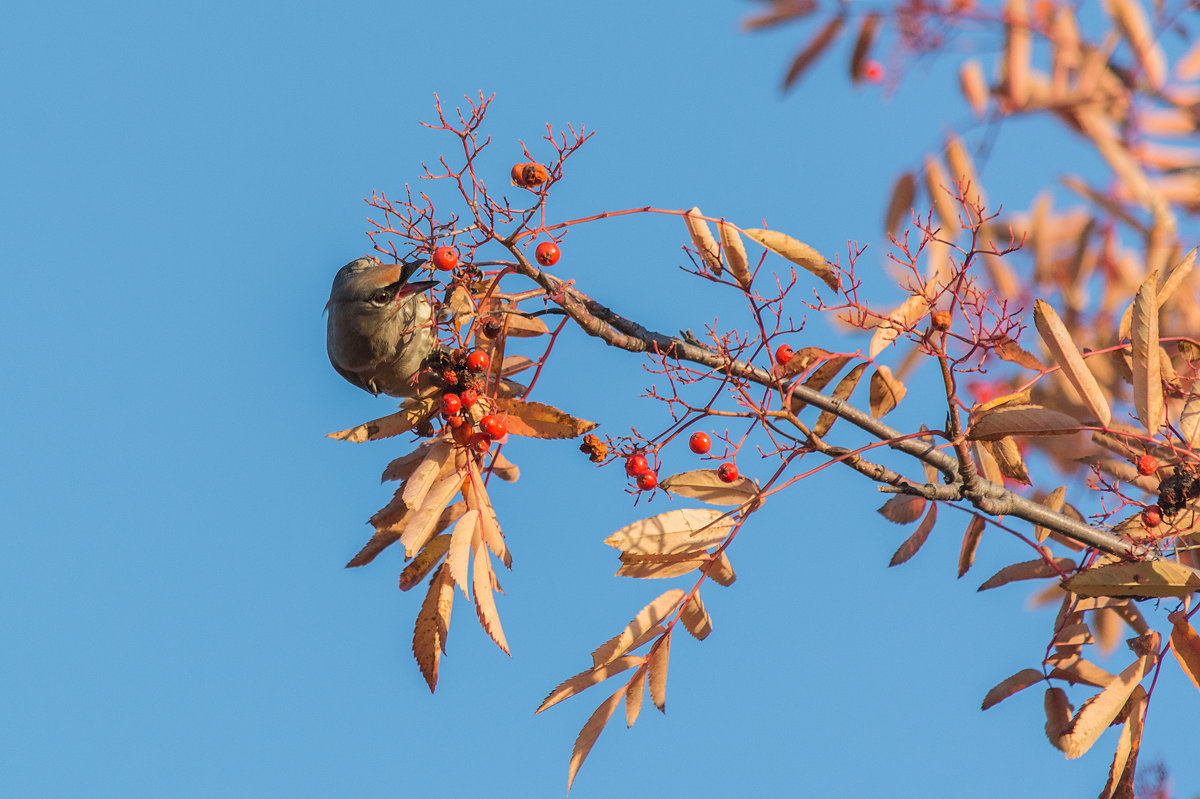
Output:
(703, 241)
(656, 671)
(646, 619)
(1147, 376)
(1027, 570)
(1058, 340)
(1098, 712)
(539, 420)
(433, 621)
(590, 732)
(411, 413)
(704, 485)
(795, 251)
(1185, 644)
(695, 617)
(683, 530)
(886, 392)
(901, 203)
(1151, 578)
(1021, 420)
(485, 602)
(970, 543)
(1019, 681)
(735, 253)
(586, 679)
(424, 561)
(914, 542)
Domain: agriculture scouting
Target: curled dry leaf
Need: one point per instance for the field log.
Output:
(422, 522)
(483, 579)
(1185, 645)
(735, 253)
(647, 619)
(683, 530)
(813, 49)
(911, 311)
(433, 622)
(1019, 681)
(590, 732)
(505, 469)
(1028, 570)
(974, 86)
(402, 468)
(696, 619)
(1121, 772)
(903, 508)
(795, 251)
(862, 45)
(656, 671)
(886, 392)
(538, 420)
(1147, 376)
(1058, 714)
(518, 324)
(901, 203)
(1058, 340)
(842, 392)
(411, 413)
(721, 572)
(1021, 420)
(704, 485)
(703, 241)
(1011, 351)
(425, 560)
(1008, 459)
(1154, 578)
(1018, 49)
(970, 543)
(660, 566)
(944, 199)
(586, 679)
(801, 360)
(917, 539)
(1098, 712)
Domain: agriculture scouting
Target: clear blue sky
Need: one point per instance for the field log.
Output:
(180, 182)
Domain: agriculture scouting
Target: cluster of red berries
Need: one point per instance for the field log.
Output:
(529, 175)
(638, 467)
(459, 372)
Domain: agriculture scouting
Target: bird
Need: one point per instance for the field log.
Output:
(380, 329)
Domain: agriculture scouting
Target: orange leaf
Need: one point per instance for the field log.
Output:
(795, 251)
(966, 556)
(844, 389)
(1058, 340)
(1022, 420)
(586, 679)
(1098, 712)
(886, 392)
(721, 571)
(1019, 681)
(1185, 644)
(635, 691)
(1058, 714)
(538, 420)
(485, 602)
(695, 617)
(735, 253)
(590, 732)
(903, 508)
(914, 542)
(1027, 570)
(1147, 376)
(427, 558)
(462, 540)
(660, 566)
(433, 622)
(646, 619)
(1121, 772)
(411, 413)
(489, 525)
(423, 521)
(656, 671)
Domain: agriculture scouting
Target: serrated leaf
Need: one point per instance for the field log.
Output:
(1008, 459)
(538, 420)
(683, 530)
(1098, 712)
(433, 622)
(1011, 685)
(485, 603)
(886, 392)
(646, 619)
(656, 671)
(703, 241)
(970, 543)
(1021, 420)
(1028, 570)
(704, 485)
(813, 49)
(660, 566)
(735, 253)
(402, 468)
(841, 392)
(422, 521)
(695, 617)
(387, 536)
(489, 524)
(586, 679)
(795, 251)
(1185, 645)
(1076, 669)
(435, 466)
(635, 691)
(1121, 772)
(1152, 578)
(425, 560)
(917, 539)
(721, 572)
(411, 413)
(1147, 378)
(1058, 714)
(900, 205)
(1011, 351)
(590, 732)
(458, 559)
(903, 318)
(1058, 340)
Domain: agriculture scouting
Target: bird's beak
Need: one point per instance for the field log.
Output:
(415, 287)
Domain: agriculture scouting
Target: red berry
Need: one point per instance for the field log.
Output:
(451, 404)
(647, 480)
(493, 426)
(445, 258)
(700, 443)
(636, 465)
(1147, 464)
(468, 397)
(547, 253)
(727, 472)
(479, 443)
(456, 420)
(873, 71)
(1152, 516)
(478, 361)
(783, 354)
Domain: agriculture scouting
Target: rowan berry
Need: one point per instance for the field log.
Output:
(700, 443)
(456, 420)
(727, 472)
(636, 465)
(478, 361)
(1147, 464)
(451, 404)
(783, 354)
(1152, 516)
(493, 426)
(873, 72)
(547, 253)
(647, 480)
(445, 258)
(491, 328)
(940, 319)
(468, 397)
(479, 443)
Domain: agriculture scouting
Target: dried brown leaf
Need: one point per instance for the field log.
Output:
(780, 11)
(703, 241)
(695, 617)
(437, 464)
(813, 49)
(944, 198)
(538, 420)
(590, 732)
(1058, 340)
(682, 530)
(654, 567)
(801, 360)
(483, 578)
(387, 536)
(970, 543)
(402, 468)
(704, 485)
(646, 619)
(974, 86)
(1008, 459)
(914, 542)
(1028, 570)
(1058, 714)
(842, 392)
(1098, 712)
(1021, 420)
(1121, 772)
(1185, 645)
(795, 251)
(635, 691)
(900, 205)
(903, 508)
(1147, 378)
(886, 392)
(422, 522)
(505, 469)
(1011, 351)
(903, 318)
(478, 499)
(1075, 669)
(867, 30)
(425, 560)
(411, 413)
(1107, 626)
(656, 671)
(1019, 681)
(735, 254)
(721, 571)
(1054, 501)
(433, 622)
(1018, 50)
(586, 679)
(1152, 578)
(464, 538)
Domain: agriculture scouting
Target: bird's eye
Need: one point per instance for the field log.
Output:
(380, 297)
